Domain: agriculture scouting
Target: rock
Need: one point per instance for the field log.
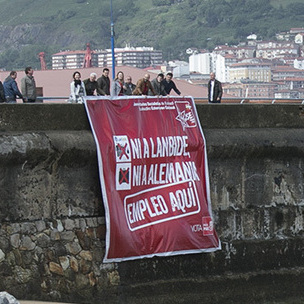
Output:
(114, 277)
(6, 298)
(74, 264)
(68, 236)
(91, 232)
(56, 268)
(85, 266)
(2, 256)
(64, 262)
(27, 243)
(15, 240)
(69, 224)
(22, 275)
(92, 222)
(59, 226)
(83, 239)
(73, 248)
(86, 255)
(82, 224)
(14, 228)
(40, 225)
(4, 243)
(43, 240)
(28, 228)
(92, 279)
(55, 236)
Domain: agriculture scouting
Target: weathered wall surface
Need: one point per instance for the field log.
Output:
(52, 219)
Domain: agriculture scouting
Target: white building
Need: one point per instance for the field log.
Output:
(220, 67)
(200, 63)
(140, 57)
(206, 63)
(180, 69)
(71, 60)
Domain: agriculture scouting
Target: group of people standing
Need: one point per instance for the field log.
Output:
(9, 90)
(159, 86)
(120, 86)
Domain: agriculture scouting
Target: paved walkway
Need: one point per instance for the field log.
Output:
(39, 302)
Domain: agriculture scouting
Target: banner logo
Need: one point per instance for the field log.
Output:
(122, 148)
(207, 225)
(185, 114)
(123, 176)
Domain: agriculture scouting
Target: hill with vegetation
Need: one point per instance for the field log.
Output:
(28, 27)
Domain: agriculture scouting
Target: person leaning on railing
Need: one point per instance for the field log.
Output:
(91, 85)
(11, 90)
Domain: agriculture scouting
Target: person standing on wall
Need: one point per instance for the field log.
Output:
(28, 86)
(215, 90)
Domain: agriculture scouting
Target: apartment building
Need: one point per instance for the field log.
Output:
(200, 63)
(282, 72)
(71, 60)
(250, 89)
(140, 57)
(297, 94)
(240, 52)
(205, 63)
(260, 72)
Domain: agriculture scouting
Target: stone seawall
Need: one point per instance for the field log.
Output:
(52, 220)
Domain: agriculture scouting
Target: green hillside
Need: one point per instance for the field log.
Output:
(28, 27)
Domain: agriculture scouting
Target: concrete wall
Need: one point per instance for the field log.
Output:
(52, 219)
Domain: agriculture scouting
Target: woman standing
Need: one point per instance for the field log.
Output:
(117, 88)
(77, 89)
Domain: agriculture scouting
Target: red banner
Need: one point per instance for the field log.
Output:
(154, 177)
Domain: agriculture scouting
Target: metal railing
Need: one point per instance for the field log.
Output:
(200, 100)
(253, 100)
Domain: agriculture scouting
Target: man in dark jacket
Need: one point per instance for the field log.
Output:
(103, 83)
(91, 85)
(158, 86)
(11, 90)
(129, 87)
(215, 90)
(169, 84)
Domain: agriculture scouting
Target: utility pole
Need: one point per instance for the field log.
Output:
(112, 42)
